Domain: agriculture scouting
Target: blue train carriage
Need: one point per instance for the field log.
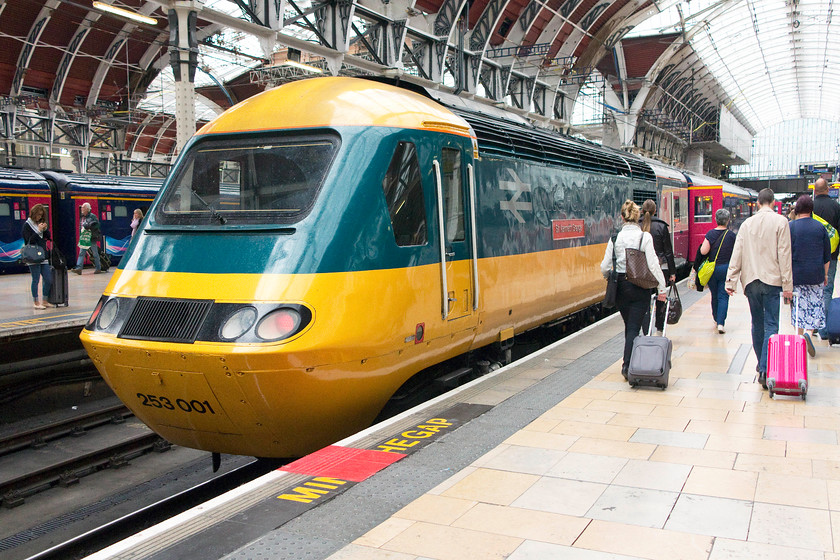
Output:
(741, 203)
(321, 243)
(113, 200)
(20, 190)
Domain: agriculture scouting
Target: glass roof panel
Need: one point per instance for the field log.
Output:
(773, 58)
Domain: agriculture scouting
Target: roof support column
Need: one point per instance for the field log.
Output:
(694, 159)
(183, 57)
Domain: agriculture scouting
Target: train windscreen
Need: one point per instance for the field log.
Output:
(253, 181)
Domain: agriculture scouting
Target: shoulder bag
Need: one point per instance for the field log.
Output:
(32, 254)
(85, 239)
(674, 305)
(612, 282)
(708, 267)
(833, 235)
(637, 268)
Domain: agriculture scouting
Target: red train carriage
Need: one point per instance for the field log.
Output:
(707, 196)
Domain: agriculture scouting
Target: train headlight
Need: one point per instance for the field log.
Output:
(279, 324)
(95, 315)
(238, 323)
(108, 313)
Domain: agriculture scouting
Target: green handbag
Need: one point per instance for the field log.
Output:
(708, 267)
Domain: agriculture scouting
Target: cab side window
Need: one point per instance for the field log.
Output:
(404, 195)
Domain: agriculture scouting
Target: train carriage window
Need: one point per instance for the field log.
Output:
(702, 209)
(453, 199)
(5, 209)
(404, 195)
(120, 212)
(254, 181)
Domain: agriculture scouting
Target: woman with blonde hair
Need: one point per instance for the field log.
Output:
(632, 301)
(135, 220)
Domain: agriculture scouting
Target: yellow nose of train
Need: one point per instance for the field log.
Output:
(263, 310)
(300, 265)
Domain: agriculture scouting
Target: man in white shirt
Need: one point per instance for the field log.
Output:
(761, 261)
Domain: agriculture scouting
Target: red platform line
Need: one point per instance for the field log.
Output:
(346, 463)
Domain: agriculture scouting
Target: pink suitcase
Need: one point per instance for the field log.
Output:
(787, 364)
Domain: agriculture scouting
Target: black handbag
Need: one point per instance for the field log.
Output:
(32, 254)
(638, 271)
(675, 305)
(612, 283)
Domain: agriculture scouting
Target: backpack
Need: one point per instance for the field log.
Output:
(833, 236)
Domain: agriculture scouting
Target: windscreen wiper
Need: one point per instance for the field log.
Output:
(213, 212)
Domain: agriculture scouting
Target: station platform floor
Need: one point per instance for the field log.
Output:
(18, 315)
(712, 468)
(564, 460)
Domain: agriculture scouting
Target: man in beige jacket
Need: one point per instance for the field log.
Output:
(761, 261)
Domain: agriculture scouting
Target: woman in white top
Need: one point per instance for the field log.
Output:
(631, 300)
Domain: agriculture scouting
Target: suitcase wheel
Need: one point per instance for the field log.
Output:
(803, 388)
(771, 384)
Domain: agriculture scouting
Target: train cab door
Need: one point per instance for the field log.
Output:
(455, 208)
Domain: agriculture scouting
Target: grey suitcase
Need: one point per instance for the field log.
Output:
(650, 361)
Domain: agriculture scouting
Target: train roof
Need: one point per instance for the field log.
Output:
(740, 191)
(10, 177)
(87, 182)
(696, 179)
(336, 101)
(502, 133)
(665, 171)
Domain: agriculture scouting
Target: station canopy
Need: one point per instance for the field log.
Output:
(772, 60)
(775, 59)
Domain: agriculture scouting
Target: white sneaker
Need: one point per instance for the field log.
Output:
(659, 333)
(721, 330)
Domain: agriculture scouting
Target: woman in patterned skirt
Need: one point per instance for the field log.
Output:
(810, 254)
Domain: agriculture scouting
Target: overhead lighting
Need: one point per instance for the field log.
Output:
(302, 66)
(122, 12)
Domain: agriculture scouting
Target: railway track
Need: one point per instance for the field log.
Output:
(37, 437)
(114, 531)
(38, 459)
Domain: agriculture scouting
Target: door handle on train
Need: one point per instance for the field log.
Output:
(450, 253)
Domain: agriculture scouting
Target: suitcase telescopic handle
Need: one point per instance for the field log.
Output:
(793, 314)
(653, 314)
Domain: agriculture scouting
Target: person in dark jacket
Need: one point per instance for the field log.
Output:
(718, 245)
(658, 229)
(810, 269)
(89, 222)
(827, 208)
(35, 232)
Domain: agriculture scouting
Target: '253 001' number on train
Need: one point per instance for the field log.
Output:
(201, 407)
